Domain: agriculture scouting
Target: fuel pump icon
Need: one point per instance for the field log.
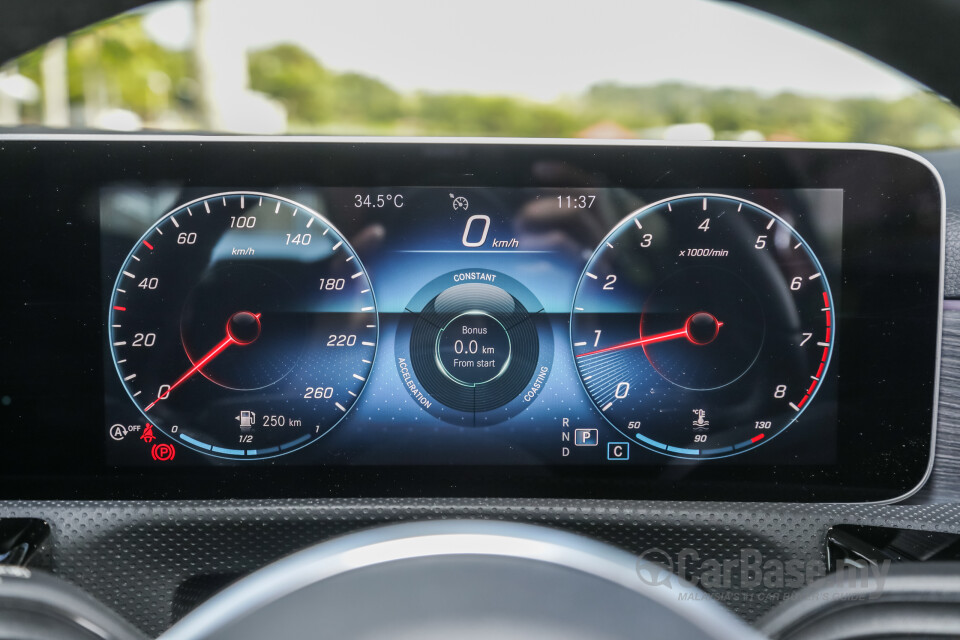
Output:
(247, 419)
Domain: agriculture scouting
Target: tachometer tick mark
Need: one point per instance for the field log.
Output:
(339, 406)
(794, 407)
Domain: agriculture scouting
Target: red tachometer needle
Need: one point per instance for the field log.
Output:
(231, 338)
(703, 319)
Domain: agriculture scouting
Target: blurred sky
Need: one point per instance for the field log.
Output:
(543, 50)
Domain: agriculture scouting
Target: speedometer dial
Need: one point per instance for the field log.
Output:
(702, 326)
(243, 325)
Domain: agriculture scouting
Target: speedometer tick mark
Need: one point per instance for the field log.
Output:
(704, 204)
(277, 210)
(368, 344)
(121, 343)
(339, 406)
(356, 275)
(607, 406)
(348, 260)
(310, 222)
(206, 205)
(130, 377)
(175, 223)
(610, 245)
(366, 308)
(242, 202)
(336, 246)
(129, 275)
(797, 246)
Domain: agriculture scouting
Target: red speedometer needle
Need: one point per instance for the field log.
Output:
(243, 328)
(700, 329)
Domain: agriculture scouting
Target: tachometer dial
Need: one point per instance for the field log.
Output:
(243, 325)
(702, 326)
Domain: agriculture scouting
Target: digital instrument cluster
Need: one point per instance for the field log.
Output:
(267, 317)
(245, 325)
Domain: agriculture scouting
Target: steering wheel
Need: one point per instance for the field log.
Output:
(463, 579)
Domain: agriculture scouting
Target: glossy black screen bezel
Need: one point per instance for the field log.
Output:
(890, 315)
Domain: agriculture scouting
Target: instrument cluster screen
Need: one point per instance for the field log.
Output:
(263, 318)
(470, 326)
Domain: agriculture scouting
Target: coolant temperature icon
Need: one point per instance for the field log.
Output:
(700, 422)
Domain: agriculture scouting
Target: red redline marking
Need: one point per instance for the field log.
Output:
(801, 403)
(757, 437)
(812, 387)
(149, 246)
(826, 352)
(820, 370)
(828, 317)
(826, 300)
(119, 308)
(828, 335)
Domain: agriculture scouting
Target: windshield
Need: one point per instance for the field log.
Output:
(685, 69)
